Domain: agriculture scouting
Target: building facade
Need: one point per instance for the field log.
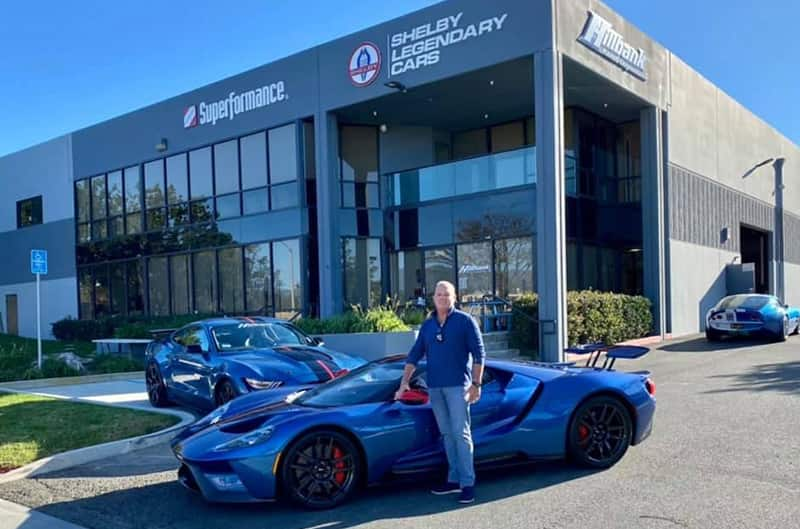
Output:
(510, 147)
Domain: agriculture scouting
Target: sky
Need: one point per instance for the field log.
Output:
(67, 65)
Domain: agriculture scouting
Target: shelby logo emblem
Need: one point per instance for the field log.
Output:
(190, 117)
(365, 64)
(601, 37)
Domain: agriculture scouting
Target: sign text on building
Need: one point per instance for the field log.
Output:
(234, 104)
(599, 35)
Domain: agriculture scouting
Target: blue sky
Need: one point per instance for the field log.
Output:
(67, 65)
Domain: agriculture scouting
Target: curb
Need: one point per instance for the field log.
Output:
(88, 454)
(71, 381)
(14, 515)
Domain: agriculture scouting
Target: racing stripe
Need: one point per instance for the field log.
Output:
(319, 363)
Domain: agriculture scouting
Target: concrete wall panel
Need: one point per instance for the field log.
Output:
(59, 300)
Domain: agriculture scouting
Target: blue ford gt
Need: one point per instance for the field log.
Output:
(752, 315)
(208, 363)
(317, 446)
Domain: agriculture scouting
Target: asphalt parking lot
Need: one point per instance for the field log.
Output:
(724, 454)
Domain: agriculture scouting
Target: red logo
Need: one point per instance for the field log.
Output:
(190, 117)
(365, 64)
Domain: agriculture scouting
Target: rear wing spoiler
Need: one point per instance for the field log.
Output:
(161, 333)
(612, 352)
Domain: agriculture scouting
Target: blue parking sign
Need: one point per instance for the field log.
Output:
(39, 262)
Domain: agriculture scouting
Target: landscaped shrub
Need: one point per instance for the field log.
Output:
(119, 326)
(378, 319)
(592, 316)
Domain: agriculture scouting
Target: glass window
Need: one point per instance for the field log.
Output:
(589, 259)
(99, 230)
(115, 193)
(530, 129)
(202, 210)
(359, 154)
(288, 280)
(508, 136)
(179, 214)
(85, 291)
(177, 179)
(83, 233)
(102, 305)
(284, 196)
(230, 280)
(205, 282)
(228, 206)
(158, 278)
(258, 278)
(82, 213)
(133, 190)
(200, 173)
(115, 227)
(362, 271)
(470, 143)
(283, 154)
(99, 197)
(135, 288)
(179, 269)
(156, 219)
(309, 151)
(474, 271)
(438, 267)
(154, 184)
(514, 267)
(572, 266)
(118, 302)
(254, 160)
(133, 222)
(29, 212)
(255, 201)
(407, 276)
(226, 167)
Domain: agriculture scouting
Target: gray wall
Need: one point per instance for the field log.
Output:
(58, 238)
(406, 148)
(59, 299)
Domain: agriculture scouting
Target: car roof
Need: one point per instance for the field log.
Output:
(238, 319)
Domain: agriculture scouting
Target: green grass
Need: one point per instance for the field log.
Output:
(33, 427)
(18, 359)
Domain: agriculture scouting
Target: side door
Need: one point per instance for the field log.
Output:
(191, 363)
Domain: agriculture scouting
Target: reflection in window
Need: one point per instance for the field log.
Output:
(135, 288)
(102, 301)
(474, 271)
(513, 267)
(255, 201)
(283, 154)
(288, 280)
(205, 282)
(230, 280)
(154, 184)
(507, 136)
(177, 179)
(200, 173)
(85, 292)
(470, 143)
(226, 167)
(362, 271)
(407, 276)
(359, 154)
(258, 277)
(99, 197)
(158, 278)
(133, 200)
(179, 269)
(82, 213)
(29, 212)
(118, 302)
(228, 206)
(284, 196)
(438, 267)
(254, 160)
(115, 193)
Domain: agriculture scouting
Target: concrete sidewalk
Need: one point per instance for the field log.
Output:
(13, 516)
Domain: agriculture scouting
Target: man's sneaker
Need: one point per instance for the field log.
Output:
(467, 495)
(447, 488)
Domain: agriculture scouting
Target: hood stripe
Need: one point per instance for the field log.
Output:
(327, 369)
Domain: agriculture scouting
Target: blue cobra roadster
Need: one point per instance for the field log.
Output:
(752, 315)
(317, 446)
(208, 363)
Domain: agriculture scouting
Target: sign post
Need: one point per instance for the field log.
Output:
(38, 267)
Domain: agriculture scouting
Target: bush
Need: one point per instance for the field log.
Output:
(592, 316)
(107, 363)
(378, 319)
(83, 330)
(119, 326)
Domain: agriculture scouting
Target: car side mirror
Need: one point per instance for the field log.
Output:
(414, 397)
(194, 349)
(318, 342)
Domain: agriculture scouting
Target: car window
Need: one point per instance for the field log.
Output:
(744, 302)
(194, 335)
(370, 383)
(241, 336)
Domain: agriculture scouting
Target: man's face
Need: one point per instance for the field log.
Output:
(443, 298)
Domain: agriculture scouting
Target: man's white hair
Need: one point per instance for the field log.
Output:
(448, 285)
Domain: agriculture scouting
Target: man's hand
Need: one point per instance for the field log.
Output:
(473, 394)
(402, 389)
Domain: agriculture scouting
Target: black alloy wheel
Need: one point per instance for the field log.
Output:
(225, 393)
(156, 390)
(320, 470)
(600, 432)
(712, 335)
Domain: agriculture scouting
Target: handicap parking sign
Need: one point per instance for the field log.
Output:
(39, 262)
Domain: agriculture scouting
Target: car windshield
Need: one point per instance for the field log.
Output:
(374, 382)
(244, 336)
(743, 302)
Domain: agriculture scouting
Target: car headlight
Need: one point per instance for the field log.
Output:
(254, 383)
(253, 438)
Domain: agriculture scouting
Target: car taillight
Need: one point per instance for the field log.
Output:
(650, 386)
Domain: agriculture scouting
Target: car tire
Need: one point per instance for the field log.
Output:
(712, 335)
(156, 389)
(224, 393)
(784, 331)
(331, 461)
(600, 432)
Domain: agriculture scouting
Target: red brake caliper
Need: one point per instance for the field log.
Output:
(583, 432)
(341, 475)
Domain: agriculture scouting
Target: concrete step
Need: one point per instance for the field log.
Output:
(503, 354)
(497, 346)
(492, 337)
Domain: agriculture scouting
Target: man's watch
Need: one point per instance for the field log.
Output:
(477, 385)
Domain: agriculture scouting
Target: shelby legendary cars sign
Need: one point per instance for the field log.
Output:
(234, 104)
(599, 35)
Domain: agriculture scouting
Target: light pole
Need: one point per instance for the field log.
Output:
(780, 283)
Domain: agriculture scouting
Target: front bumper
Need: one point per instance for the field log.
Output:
(242, 481)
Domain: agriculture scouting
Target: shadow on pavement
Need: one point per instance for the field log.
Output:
(170, 505)
(782, 378)
(701, 345)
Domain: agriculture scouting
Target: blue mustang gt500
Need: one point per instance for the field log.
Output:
(317, 446)
(208, 363)
(752, 315)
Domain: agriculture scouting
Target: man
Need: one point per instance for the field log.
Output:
(453, 345)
